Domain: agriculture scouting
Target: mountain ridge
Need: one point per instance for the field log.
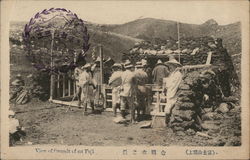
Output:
(150, 28)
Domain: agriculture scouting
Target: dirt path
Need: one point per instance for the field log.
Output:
(55, 126)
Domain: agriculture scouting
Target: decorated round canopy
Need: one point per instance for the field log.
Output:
(55, 32)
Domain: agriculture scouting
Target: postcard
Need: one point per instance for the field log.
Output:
(124, 79)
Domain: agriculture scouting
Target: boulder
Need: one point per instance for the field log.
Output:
(184, 105)
(223, 108)
(184, 86)
(186, 115)
(183, 93)
(177, 128)
(180, 133)
(183, 99)
(208, 109)
(184, 124)
(211, 125)
(190, 132)
(209, 116)
(178, 119)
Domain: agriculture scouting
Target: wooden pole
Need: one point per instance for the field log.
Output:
(101, 63)
(51, 67)
(102, 87)
(64, 89)
(69, 87)
(178, 36)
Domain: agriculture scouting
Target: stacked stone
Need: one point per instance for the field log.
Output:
(184, 111)
(187, 46)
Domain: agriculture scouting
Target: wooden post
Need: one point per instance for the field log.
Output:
(63, 85)
(74, 87)
(158, 101)
(69, 87)
(178, 37)
(102, 89)
(58, 93)
(101, 63)
(51, 67)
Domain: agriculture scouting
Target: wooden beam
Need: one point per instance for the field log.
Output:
(63, 85)
(69, 87)
(101, 62)
(51, 66)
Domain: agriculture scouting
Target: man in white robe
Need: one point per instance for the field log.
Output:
(115, 83)
(128, 92)
(171, 84)
(87, 84)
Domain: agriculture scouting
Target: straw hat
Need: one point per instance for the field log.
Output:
(128, 64)
(117, 65)
(98, 59)
(139, 64)
(207, 74)
(86, 66)
(173, 61)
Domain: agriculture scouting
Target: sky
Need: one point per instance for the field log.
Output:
(119, 12)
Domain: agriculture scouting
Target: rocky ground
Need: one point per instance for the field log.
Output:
(47, 123)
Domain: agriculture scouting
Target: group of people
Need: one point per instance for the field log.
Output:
(88, 82)
(128, 83)
(128, 88)
(132, 91)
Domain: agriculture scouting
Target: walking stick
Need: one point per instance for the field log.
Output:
(69, 106)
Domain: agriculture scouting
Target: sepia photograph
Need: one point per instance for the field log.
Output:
(123, 73)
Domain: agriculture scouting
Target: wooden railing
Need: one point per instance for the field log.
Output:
(64, 86)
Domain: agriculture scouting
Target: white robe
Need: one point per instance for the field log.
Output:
(171, 83)
(115, 90)
(128, 82)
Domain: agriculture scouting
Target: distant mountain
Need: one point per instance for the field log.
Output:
(120, 38)
(150, 28)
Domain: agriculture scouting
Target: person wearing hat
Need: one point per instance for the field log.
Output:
(142, 91)
(211, 93)
(17, 86)
(77, 72)
(141, 75)
(86, 84)
(128, 92)
(96, 72)
(171, 84)
(159, 72)
(115, 83)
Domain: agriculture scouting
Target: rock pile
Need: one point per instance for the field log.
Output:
(184, 111)
(197, 107)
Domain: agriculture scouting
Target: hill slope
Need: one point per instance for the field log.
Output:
(150, 29)
(119, 38)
